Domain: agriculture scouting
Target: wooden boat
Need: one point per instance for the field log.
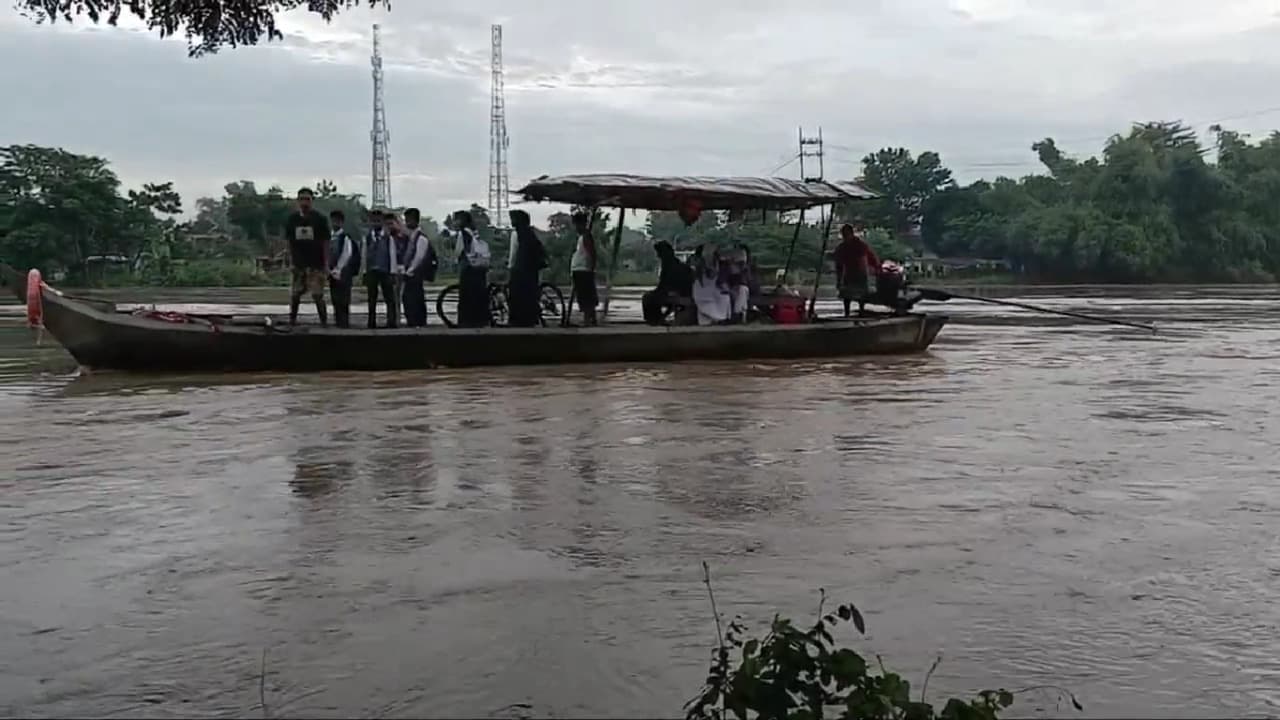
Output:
(101, 337)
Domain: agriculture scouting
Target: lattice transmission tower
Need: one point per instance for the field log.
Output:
(379, 136)
(805, 152)
(498, 141)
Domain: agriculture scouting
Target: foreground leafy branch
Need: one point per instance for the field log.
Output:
(802, 674)
(209, 24)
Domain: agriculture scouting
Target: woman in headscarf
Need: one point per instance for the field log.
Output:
(473, 272)
(675, 281)
(528, 260)
(710, 294)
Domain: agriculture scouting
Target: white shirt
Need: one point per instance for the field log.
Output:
(479, 254)
(344, 256)
(511, 250)
(713, 302)
(419, 250)
(582, 261)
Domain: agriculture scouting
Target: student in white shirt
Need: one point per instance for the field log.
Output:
(419, 267)
(583, 269)
(344, 265)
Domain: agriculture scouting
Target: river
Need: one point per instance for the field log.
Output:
(1037, 501)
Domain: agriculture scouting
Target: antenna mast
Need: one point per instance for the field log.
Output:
(498, 186)
(379, 135)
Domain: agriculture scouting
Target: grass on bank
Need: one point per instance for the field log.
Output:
(804, 674)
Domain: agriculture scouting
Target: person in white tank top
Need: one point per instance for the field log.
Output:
(582, 267)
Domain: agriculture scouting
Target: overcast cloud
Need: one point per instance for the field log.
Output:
(663, 87)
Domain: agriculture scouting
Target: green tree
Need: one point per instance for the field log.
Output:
(905, 183)
(560, 240)
(208, 24)
(666, 225)
(57, 209)
(1151, 206)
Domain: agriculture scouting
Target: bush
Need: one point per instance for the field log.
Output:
(211, 273)
(803, 675)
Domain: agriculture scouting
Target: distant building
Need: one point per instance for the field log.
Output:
(938, 267)
(99, 267)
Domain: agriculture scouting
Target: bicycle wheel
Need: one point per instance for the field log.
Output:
(448, 298)
(550, 304)
(497, 304)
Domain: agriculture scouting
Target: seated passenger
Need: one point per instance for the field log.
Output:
(709, 294)
(675, 282)
(736, 276)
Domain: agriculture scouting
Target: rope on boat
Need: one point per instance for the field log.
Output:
(174, 317)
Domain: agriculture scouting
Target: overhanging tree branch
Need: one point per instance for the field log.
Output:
(208, 25)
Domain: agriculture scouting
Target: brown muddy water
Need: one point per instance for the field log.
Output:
(1037, 501)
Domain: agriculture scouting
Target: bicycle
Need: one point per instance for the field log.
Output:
(550, 304)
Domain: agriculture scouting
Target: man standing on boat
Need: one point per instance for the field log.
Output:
(583, 268)
(527, 260)
(380, 264)
(344, 265)
(855, 262)
(419, 267)
(308, 235)
(473, 272)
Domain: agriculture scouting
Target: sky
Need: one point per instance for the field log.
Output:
(713, 87)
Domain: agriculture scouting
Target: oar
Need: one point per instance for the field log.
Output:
(943, 296)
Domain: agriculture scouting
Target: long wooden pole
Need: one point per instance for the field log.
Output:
(613, 263)
(943, 295)
(786, 269)
(822, 261)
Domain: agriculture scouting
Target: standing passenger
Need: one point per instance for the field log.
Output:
(528, 259)
(583, 268)
(344, 265)
(308, 235)
(855, 263)
(473, 272)
(420, 266)
(400, 251)
(379, 267)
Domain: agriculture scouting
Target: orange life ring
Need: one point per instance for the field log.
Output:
(35, 302)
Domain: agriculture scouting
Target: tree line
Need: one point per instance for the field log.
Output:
(1155, 205)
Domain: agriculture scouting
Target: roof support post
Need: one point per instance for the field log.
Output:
(786, 269)
(613, 263)
(822, 261)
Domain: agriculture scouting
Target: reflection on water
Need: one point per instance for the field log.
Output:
(1080, 505)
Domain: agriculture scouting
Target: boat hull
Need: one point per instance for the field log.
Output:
(101, 339)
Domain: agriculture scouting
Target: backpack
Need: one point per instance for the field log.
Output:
(479, 255)
(432, 263)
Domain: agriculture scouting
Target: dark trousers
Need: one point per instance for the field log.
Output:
(585, 294)
(523, 298)
(413, 298)
(473, 297)
(652, 303)
(376, 281)
(340, 294)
